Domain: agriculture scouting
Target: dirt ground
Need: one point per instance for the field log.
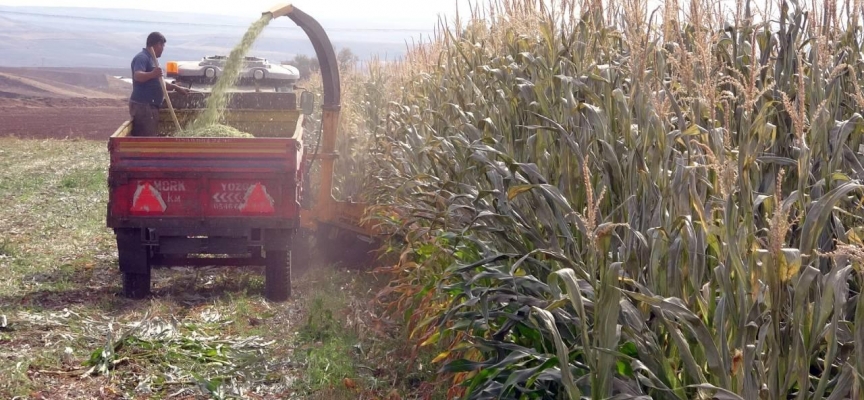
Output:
(40, 103)
(95, 123)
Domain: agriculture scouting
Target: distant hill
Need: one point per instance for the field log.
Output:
(108, 38)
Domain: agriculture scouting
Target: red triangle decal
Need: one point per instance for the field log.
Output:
(147, 200)
(257, 201)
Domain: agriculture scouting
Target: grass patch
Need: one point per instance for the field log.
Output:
(84, 179)
(7, 250)
(328, 347)
(329, 363)
(54, 194)
(349, 349)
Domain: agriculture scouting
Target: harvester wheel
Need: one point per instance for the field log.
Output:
(277, 280)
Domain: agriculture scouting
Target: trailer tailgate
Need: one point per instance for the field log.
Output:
(171, 177)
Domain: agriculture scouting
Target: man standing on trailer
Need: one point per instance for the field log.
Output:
(146, 90)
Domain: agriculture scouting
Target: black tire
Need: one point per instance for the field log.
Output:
(136, 286)
(134, 260)
(277, 279)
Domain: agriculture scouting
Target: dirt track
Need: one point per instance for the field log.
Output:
(39, 103)
(97, 123)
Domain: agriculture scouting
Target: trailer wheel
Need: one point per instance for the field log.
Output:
(136, 286)
(277, 280)
(134, 259)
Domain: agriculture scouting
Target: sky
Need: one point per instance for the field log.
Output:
(407, 11)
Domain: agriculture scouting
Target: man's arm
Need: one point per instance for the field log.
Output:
(139, 70)
(179, 89)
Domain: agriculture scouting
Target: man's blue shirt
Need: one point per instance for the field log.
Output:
(149, 92)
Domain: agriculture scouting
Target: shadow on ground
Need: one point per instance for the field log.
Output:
(176, 287)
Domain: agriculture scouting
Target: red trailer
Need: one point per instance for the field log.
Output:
(229, 201)
(173, 199)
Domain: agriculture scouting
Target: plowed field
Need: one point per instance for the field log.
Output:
(85, 122)
(39, 103)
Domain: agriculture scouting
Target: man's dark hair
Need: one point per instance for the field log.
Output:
(155, 38)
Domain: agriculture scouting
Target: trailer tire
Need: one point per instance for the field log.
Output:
(136, 286)
(134, 259)
(277, 280)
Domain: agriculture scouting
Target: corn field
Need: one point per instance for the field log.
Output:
(608, 200)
